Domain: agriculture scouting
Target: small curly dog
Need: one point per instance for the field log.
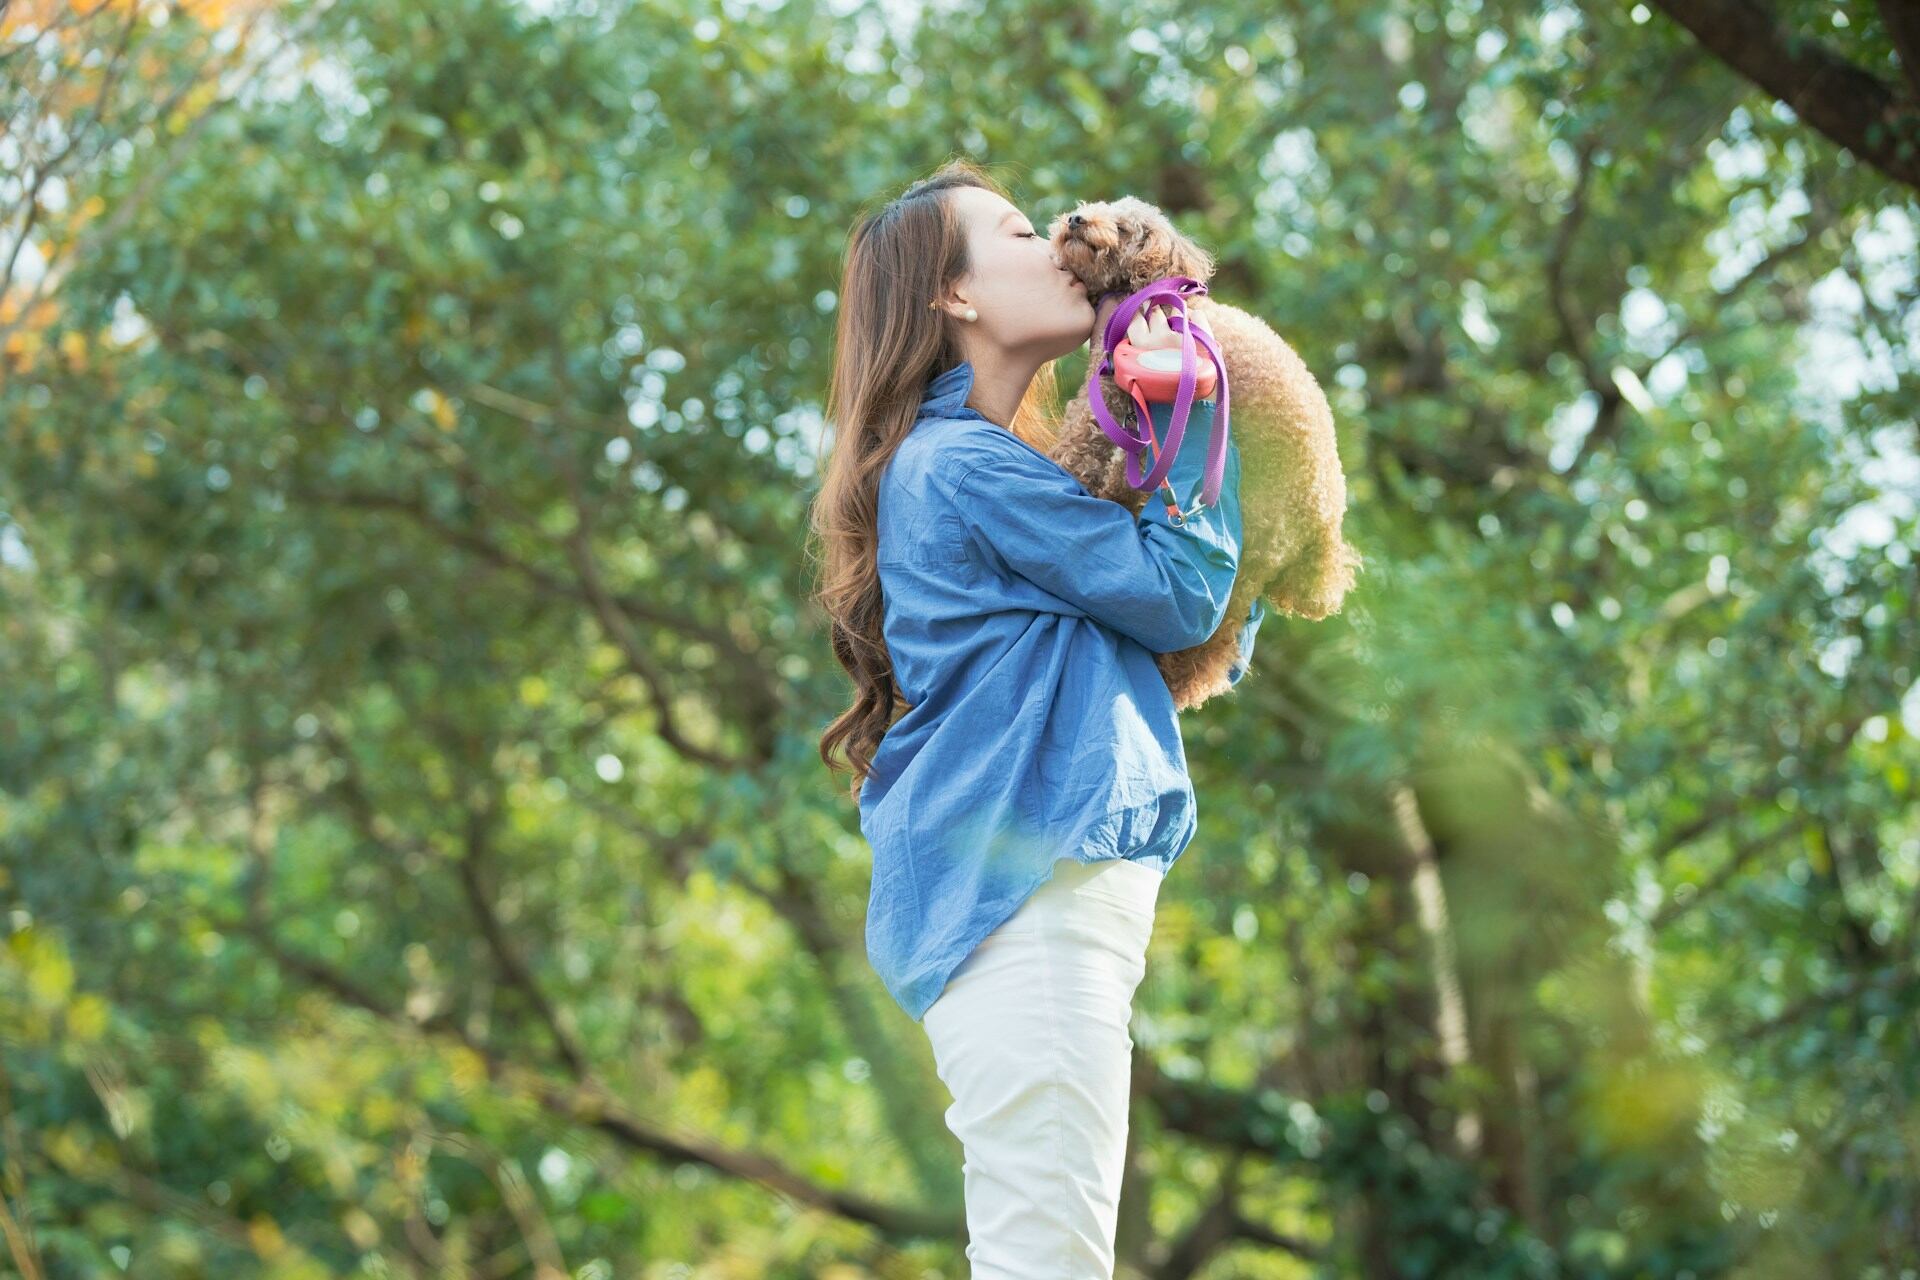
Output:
(1293, 492)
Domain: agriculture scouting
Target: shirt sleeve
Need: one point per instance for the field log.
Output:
(1248, 629)
(1161, 584)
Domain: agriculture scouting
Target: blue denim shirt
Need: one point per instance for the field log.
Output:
(1022, 615)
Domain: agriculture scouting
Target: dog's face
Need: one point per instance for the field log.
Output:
(1118, 246)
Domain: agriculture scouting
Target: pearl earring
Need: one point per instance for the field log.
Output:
(972, 314)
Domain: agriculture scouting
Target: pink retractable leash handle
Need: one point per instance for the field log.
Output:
(1174, 291)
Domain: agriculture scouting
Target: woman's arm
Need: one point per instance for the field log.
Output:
(1162, 584)
(1247, 629)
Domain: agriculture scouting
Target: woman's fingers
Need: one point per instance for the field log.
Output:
(1149, 325)
(1152, 327)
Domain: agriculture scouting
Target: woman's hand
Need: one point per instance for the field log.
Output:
(1147, 329)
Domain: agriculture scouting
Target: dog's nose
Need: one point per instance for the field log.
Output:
(1075, 222)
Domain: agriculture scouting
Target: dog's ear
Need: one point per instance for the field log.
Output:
(1163, 251)
(1189, 259)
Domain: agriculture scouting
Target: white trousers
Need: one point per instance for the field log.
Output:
(1031, 1038)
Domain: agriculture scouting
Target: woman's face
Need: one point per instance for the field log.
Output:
(1028, 304)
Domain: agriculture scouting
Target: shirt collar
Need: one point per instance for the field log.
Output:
(946, 394)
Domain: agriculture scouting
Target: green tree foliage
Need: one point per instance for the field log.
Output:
(413, 851)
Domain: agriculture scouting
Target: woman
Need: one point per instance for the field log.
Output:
(1024, 808)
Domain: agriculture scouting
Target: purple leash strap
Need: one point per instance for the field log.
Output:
(1174, 290)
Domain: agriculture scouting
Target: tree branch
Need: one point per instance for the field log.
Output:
(1848, 104)
(587, 1102)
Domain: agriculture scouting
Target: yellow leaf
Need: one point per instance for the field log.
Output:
(264, 1234)
(469, 1069)
(75, 1150)
(87, 1018)
(360, 1228)
(1648, 1105)
(1819, 857)
(379, 1111)
(441, 409)
(49, 971)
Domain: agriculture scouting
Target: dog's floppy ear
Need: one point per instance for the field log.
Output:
(1189, 259)
(1163, 250)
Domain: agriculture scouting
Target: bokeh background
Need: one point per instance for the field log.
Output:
(415, 857)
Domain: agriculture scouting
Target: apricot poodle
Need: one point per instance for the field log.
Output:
(1293, 494)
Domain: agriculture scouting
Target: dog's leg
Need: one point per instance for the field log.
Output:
(1315, 583)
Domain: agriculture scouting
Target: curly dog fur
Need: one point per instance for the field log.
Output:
(1293, 492)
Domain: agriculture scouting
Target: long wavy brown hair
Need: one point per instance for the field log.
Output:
(888, 344)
